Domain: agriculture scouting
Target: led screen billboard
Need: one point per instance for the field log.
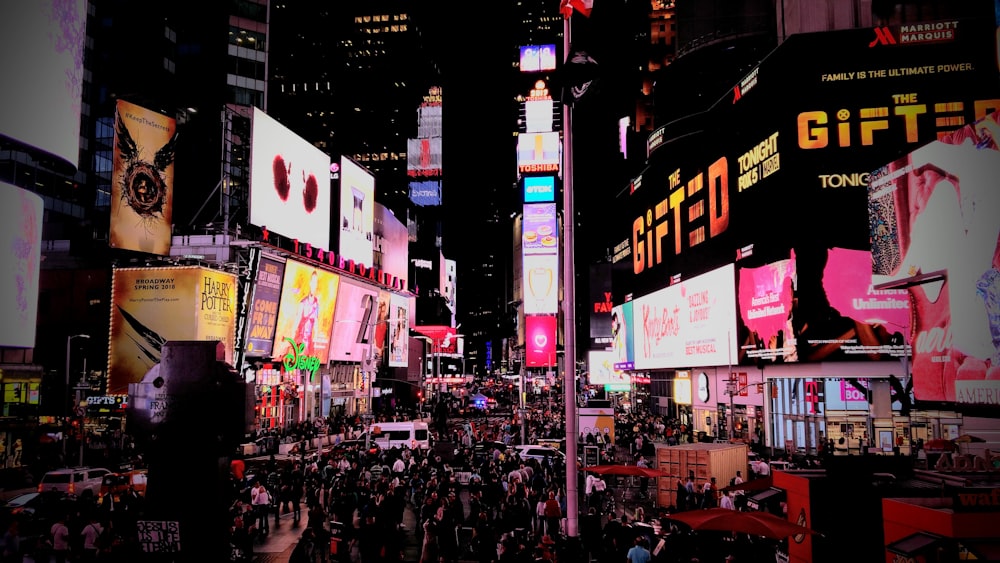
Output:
(425, 192)
(399, 332)
(799, 157)
(382, 327)
(142, 180)
(21, 236)
(540, 229)
(828, 301)
(357, 212)
(353, 323)
(540, 341)
(601, 368)
(541, 284)
(539, 189)
(264, 306)
(600, 303)
(934, 224)
(691, 323)
(423, 157)
(305, 314)
(538, 58)
(539, 115)
(42, 105)
(394, 243)
(151, 306)
(289, 183)
(538, 152)
(622, 341)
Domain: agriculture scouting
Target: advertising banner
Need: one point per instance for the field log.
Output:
(42, 106)
(539, 115)
(622, 336)
(399, 332)
(264, 308)
(600, 302)
(535, 58)
(601, 366)
(539, 189)
(541, 230)
(142, 181)
(423, 157)
(540, 341)
(425, 192)
(357, 212)
(151, 306)
(801, 157)
(934, 224)
(289, 183)
(541, 284)
(305, 314)
(21, 236)
(354, 322)
(382, 327)
(832, 308)
(691, 323)
(538, 152)
(394, 242)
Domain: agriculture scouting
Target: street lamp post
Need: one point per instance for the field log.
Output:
(66, 401)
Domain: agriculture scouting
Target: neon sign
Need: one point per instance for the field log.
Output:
(295, 359)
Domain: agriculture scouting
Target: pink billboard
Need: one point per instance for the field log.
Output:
(354, 322)
(933, 220)
(540, 341)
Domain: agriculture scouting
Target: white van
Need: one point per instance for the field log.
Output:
(413, 434)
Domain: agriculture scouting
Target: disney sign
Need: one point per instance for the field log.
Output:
(295, 358)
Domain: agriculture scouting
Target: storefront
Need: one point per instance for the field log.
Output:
(960, 528)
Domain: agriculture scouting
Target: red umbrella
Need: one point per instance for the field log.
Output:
(630, 470)
(939, 445)
(755, 485)
(754, 523)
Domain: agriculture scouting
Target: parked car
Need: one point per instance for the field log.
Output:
(538, 452)
(79, 481)
(482, 451)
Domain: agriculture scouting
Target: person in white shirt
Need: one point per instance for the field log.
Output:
(726, 501)
(60, 540)
(398, 467)
(261, 501)
(90, 533)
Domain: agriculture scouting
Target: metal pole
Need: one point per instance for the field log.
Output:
(68, 411)
(569, 307)
(79, 399)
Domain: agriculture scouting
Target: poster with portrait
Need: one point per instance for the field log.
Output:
(142, 180)
(305, 314)
(382, 327)
(399, 334)
(622, 343)
(151, 306)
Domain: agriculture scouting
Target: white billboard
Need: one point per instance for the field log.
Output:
(21, 236)
(289, 183)
(600, 365)
(357, 212)
(43, 43)
(538, 152)
(541, 284)
(688, 324)
(399, 331)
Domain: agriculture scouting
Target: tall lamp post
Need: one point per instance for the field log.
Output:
(66, 401)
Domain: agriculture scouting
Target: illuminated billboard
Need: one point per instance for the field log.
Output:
(423, 157)
(353, 323)
(540, 229)
(21, 237)
(425, 192)
(305, 314)
(264, 307)
(538, 58)
(827, 300)
(539, 189)
(289, 183)
(539, 115)
(142, 180)
(600, 303)
(622, 341)
(42, 105)
(540, 341)
(538, 152)
(934, 225)
(393, 240)
(357, 212)
(800, 157)
(151, 306)
(399, 332)
(691, 323)
(541, 284)
(601, 367)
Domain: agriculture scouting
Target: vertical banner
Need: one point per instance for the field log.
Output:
(264, 307)
(354, 322)
(21, 237)
(540, 229)
(151, 306)
(382, 327)
(622, 343)
(600, 302)
(540, 341)
(142, 180)
(541, 284)
(399, 334)
(305, 314)
(357, 212)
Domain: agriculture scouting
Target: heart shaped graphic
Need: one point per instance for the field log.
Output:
(541, 340)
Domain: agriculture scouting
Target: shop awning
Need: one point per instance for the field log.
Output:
(914, 544)
(756, 501)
